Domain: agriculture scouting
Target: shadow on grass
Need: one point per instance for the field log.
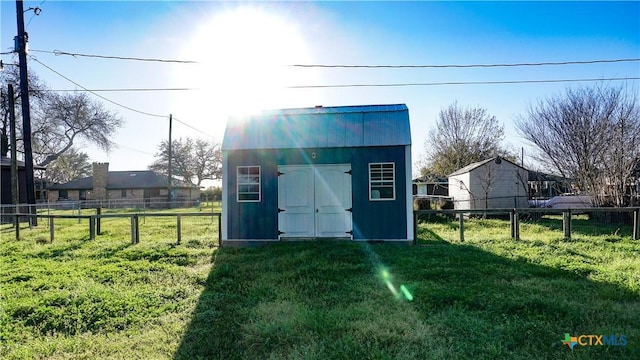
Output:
(328, 300)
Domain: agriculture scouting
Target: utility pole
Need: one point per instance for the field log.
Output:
(21, 42)
(170, 155)
(15, 190)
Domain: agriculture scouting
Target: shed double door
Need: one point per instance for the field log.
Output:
(314, 201)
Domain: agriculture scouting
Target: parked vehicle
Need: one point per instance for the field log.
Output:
(564, 202)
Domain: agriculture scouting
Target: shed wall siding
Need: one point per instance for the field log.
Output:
(491, 186)
(371, 219)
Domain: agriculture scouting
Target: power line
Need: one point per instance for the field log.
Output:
(132, 149)
(196, 129)
(421, 66)
(115, 103)
(461, 83)
(123, 90)
(59, 52)
(498, 82)
(548, 63)
(96, 94)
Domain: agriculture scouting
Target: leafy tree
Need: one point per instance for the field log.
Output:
(591, 135)
(69, 166)
(192, 160)
(462, 136)
(60, 121)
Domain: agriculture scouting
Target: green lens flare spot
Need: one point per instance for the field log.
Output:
(406, 292)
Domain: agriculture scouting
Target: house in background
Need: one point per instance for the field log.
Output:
(130, 187)
(542, 185)
(430, 185)
(6, 195)
(495, 183)
(324, 172)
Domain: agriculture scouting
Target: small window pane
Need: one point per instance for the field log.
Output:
(382, 181)
(248, 183)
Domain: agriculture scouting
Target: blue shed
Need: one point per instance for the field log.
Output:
(324, 172)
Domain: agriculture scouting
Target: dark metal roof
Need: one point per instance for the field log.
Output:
(145, 179)
(5, 162)
(320, 127)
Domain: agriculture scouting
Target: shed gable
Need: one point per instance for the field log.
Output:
(320, 127)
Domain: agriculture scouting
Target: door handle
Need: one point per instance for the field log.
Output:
(317, 210)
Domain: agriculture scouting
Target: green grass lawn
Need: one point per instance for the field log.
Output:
(487, 298)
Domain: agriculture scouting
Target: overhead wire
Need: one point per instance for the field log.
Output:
(112, 57)
(94, 93)
(461, 83)
(194, 128)
(383, 66)
(547, 63)
(450, 83)
(115, 103)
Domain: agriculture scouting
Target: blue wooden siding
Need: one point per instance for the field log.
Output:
(371, 219)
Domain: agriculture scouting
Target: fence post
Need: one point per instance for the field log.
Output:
(178, 228)
(461, 219)
(219, 216)
(415, 228)
(512, 224)
(16, 221)
(79, 211)
(98, 221)
(566, 224)
(516, 225)
(137, 224)
(133, 230)
(51, 229)
(92, 227)
(636, 224)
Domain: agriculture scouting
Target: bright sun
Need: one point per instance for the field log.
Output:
(243, 55)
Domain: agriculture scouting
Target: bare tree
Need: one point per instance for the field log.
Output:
(67, 118)
(71, 165)
(207, 160)
(590, 135)
(463, 136)
(60, 121)
(193, 161)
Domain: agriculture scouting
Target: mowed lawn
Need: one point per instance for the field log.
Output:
(487, 298)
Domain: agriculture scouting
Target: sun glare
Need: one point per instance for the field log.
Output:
(243, 55)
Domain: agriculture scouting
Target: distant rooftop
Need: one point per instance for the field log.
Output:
(144, 179)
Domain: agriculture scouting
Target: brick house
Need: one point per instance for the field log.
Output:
(130, 186)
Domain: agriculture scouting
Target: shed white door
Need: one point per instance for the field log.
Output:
(314, 201)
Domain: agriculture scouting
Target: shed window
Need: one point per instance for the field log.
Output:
(382, 179)
(248, 183)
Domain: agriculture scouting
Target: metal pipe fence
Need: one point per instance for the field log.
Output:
(97, 222)
(516, 214)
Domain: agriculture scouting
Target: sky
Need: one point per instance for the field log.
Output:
(244, 51)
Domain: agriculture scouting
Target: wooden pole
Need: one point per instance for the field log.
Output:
(22, 40)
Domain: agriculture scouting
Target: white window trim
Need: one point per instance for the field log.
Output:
(393, 181)
(259, 183)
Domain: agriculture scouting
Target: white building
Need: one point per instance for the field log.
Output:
(495, 183)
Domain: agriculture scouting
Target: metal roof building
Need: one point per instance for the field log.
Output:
(323, 172)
